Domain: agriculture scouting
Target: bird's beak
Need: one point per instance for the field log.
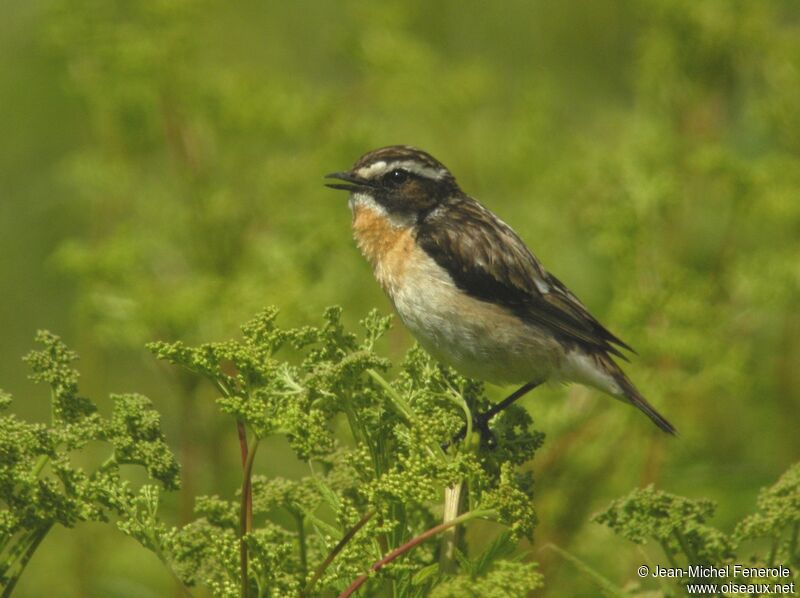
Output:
(356, 182)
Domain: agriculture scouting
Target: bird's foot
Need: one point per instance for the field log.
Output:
(480, 424)
(480, 421)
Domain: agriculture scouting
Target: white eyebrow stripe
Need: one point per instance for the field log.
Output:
(378, 169)
(375, 169)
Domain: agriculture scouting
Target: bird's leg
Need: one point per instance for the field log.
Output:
(508, 401)
(480, 421)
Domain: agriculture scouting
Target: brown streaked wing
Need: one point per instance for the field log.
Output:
(487, 260)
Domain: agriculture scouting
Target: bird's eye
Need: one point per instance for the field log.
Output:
(397, 176)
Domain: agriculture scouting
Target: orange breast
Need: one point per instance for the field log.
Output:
(387, 247)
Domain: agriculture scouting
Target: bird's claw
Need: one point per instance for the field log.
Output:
(480, 424)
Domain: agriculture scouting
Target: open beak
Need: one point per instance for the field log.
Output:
(356, 183)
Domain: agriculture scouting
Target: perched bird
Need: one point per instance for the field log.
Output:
(468, 288)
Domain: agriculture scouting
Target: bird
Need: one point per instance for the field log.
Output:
(469, 289)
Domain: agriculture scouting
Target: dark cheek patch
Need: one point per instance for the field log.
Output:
(417, 196)
(409, 198)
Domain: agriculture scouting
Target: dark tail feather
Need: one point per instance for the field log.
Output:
(635, 398)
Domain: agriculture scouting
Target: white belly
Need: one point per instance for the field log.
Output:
(477, 338)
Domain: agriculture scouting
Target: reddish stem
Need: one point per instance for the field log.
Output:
(246, 508)
(336, 550)
(242, 441)
(408, 546)
(240, 428)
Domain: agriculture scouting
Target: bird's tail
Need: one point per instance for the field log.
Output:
(635, 398)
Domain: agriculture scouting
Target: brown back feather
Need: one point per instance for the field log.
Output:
(487, 260)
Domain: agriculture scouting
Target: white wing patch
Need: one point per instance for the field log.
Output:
(541, 285)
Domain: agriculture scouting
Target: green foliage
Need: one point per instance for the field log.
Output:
(492, 573)
(505, 580)
(161, 179)
(43, 478)
(389, 467)
(679, 526)
(777, 519)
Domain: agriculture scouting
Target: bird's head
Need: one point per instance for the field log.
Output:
(406, 182)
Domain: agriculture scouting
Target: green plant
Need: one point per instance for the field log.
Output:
(381, 456)
(390, 482)
(381, 461)
(43, 480)
(171, 153)
(777, 520)
(679, 526)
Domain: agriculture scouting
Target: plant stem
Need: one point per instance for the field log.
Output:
(19, 548)
(40, 463)
(337, 549)
(452, 504)
(36, 539)
(240, 428)
(773, 551)
(691, 555)
(670, 557)
(155, 546)
(301, 541)
(246, 512)
(403, 409)
(411, 544)
(606, 586)
(397, 401)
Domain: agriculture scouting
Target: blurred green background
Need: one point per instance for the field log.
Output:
(161, 169)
